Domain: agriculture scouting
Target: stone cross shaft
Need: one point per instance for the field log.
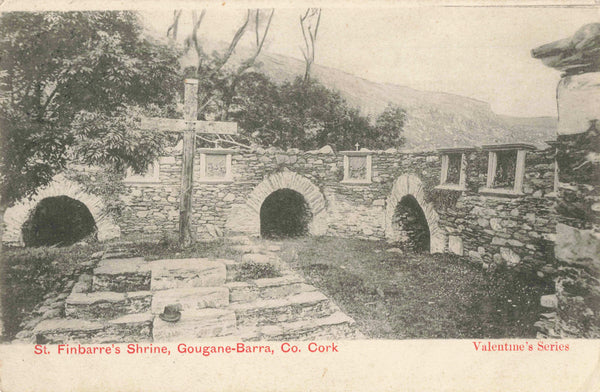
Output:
(189, 126)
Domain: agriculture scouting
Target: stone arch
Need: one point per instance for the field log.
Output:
(245, 218)
(15, 216)
(409, 184)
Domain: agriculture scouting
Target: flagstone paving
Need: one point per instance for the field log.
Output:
(122, 299)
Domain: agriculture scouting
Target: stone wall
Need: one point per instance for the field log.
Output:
(574, 310)
(503, 229)
(575, 307)
(492, 229)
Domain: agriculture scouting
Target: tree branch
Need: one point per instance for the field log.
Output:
(259, 45)
(232, 45)
(310, 39)
(196, 22)
(175, 24)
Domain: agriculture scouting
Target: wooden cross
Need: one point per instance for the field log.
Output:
(189, 126)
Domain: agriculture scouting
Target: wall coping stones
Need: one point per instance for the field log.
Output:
(508, 146)
(360, 153)
(452, 150)
(216, 150)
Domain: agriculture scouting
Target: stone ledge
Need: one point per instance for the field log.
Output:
(106, 304)
(122, 266)
(301, 306)
(193, 325)
(129, 328)
(335, 326)
(180, 273)
(192, 298)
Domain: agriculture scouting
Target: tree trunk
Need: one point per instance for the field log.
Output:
(3, 271)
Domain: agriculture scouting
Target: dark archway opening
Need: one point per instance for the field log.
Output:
(58, 220)
(411, 223)
(284, 213)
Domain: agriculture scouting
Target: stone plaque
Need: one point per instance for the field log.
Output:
(357, 167)
(216, 166)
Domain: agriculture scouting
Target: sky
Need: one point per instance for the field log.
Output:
(478, 52)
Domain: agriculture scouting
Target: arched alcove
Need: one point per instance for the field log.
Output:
(409, 220)
(15, 217)
(58, 220)
(245, 218)
(284, 214)
(411, 185)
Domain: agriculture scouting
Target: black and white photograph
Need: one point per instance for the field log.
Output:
(193, 185)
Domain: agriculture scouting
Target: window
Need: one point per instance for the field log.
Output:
(215, 165)
(454, 168)
(506, 168)
(152, 175)
(357, 167)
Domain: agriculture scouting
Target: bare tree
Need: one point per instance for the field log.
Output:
(210, 71)
(309, 23)
(231, 82)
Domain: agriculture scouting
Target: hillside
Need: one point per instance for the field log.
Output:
(434, 119)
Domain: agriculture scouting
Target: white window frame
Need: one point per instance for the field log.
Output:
(368, 176)
(517, 188)
(445, 158)
(152, 175)
(215, 151)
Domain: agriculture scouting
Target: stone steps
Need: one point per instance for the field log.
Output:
(122, 301)
(335, 326)
(125, 329)
(122, 275)
(185, 273)
(106, 304)
(191, 298)
(303, 306)
(196, 324)
(267, 288)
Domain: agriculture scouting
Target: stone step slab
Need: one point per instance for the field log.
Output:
(301, 306)
(191, 298)
(267, 288)
(335, 326)
(106, 304)
(118, 254)
(130, 328)
(193, 325)
(180, 273)
(122, 275)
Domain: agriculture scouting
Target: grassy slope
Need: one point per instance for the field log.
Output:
(396, 296)
(34, 273)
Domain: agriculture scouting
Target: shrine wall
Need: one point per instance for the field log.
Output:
(493, 229)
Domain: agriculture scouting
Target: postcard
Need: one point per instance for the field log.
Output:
(306, 196)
